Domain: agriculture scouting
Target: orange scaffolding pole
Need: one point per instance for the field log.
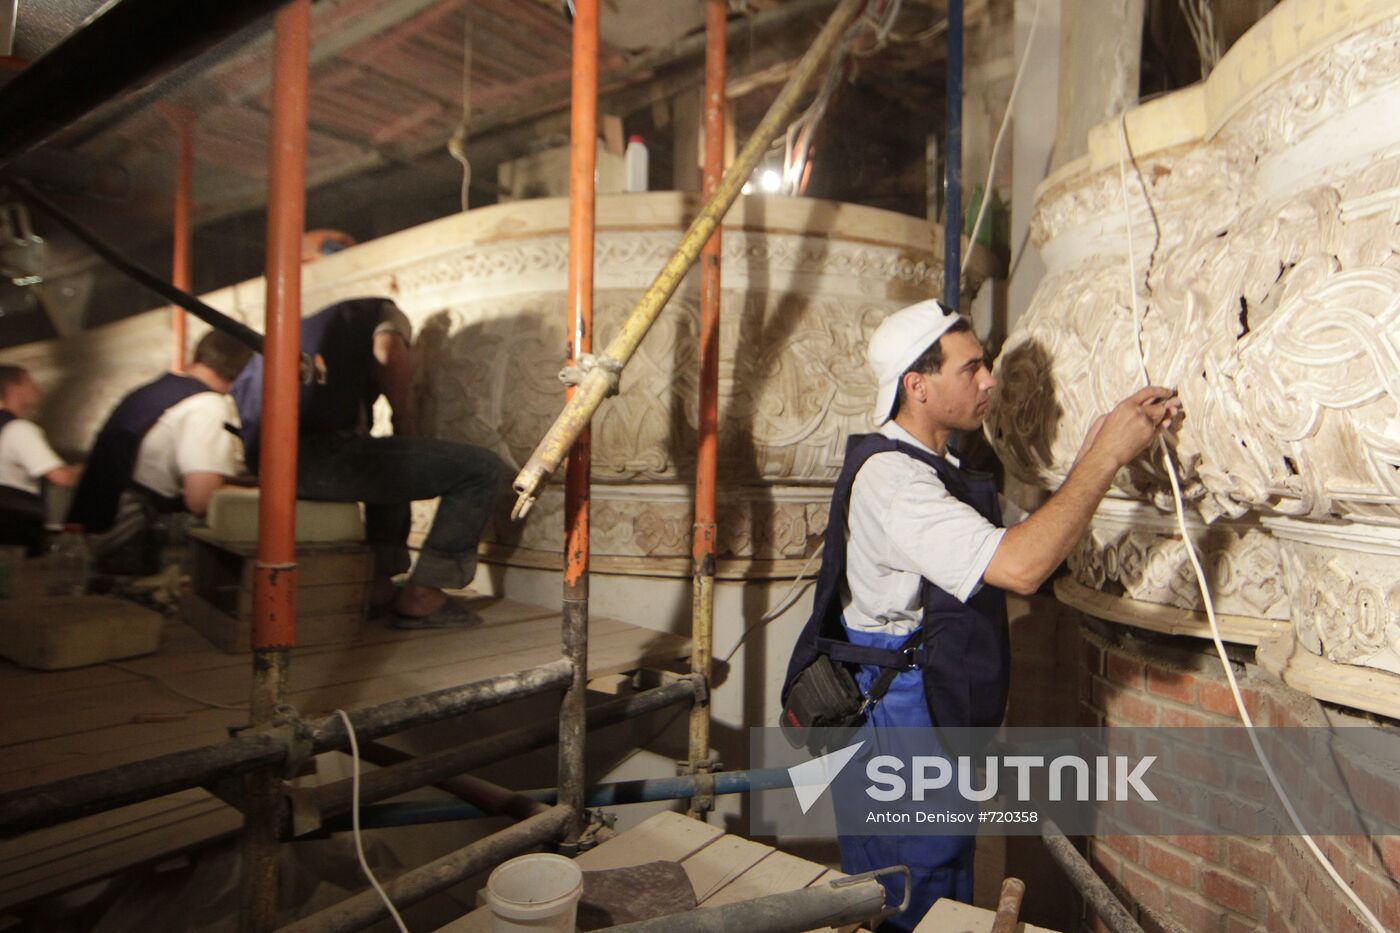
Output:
(275, 575)
(707, 441)
(583, 156)
(182, 258)
(274, 621)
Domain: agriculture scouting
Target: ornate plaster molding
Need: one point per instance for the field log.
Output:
(1264, 217)
(805, 282)
(1136, 552)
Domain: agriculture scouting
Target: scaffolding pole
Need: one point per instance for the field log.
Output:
(329, 800)
(601, 379)
(701, 763)
(71, 798)
(1081, 874)
(617, 794)
(479, 792)
(583, 156)
(275, 572)
(952, 160)
(413, 886)
(182, 236)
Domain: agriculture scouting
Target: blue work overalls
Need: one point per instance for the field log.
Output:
(958, 677)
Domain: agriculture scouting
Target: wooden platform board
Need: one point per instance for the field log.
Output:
(62, 723)
(947, 916)
(722, 868)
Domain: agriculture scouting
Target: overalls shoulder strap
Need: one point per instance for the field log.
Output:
(824, 633)
(113, 458)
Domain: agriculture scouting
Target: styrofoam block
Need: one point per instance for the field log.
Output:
(57, 632)
(233, 516)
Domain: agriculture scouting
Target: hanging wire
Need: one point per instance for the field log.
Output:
(1125, 156)
(797, 141)
(1201, 23)
(457, 145)
(987, 193)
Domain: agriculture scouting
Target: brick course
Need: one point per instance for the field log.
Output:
(1220, 883)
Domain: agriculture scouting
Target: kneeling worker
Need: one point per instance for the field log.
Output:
(166, 448)
(917, 544)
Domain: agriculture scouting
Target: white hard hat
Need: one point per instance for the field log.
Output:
(898, 343)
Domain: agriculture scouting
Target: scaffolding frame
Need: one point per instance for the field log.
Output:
(43, 100)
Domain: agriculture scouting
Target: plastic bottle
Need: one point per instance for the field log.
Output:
(69, 563)
(635, 165)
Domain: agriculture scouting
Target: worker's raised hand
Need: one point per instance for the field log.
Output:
(1134, 424)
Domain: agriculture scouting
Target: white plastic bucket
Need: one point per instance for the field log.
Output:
(535, 893)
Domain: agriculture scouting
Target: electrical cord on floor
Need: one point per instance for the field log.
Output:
(1124, 155)
(165, 685)
(355, 819)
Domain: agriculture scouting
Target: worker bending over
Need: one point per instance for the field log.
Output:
(916, 542)
(364, 346)
(166, 448)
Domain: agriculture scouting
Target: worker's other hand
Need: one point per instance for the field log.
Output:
(1134, 423)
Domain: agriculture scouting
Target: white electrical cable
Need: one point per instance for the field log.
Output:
(355, 819)
(1001, 132)
(1123, 156)
(788, 600)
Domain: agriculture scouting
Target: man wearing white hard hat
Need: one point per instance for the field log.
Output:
(920, 552)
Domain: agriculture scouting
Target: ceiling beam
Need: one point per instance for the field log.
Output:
(356, 29)
(111, 55)
(503, 131)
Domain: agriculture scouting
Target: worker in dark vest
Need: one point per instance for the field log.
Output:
(166, 449)
(915, 543)
(363, 344)
(26, 462)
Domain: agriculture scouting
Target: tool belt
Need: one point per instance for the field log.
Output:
(825, 695)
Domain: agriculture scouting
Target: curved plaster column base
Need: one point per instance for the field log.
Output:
(1278, 651)
(1165, 620)
(1263, 204)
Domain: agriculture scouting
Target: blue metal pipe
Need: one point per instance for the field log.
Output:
(416, 812)
(952, 160)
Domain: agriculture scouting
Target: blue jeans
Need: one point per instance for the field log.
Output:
(389, 473)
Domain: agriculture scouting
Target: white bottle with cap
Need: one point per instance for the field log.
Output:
(635, 165)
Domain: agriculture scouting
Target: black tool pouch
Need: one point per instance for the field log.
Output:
(826, 697)
(823, 696)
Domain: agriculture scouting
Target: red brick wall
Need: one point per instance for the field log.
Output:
(1215, 883)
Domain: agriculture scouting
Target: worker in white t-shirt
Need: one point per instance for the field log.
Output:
(919, 555)
(26, 461)
(165, 449)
